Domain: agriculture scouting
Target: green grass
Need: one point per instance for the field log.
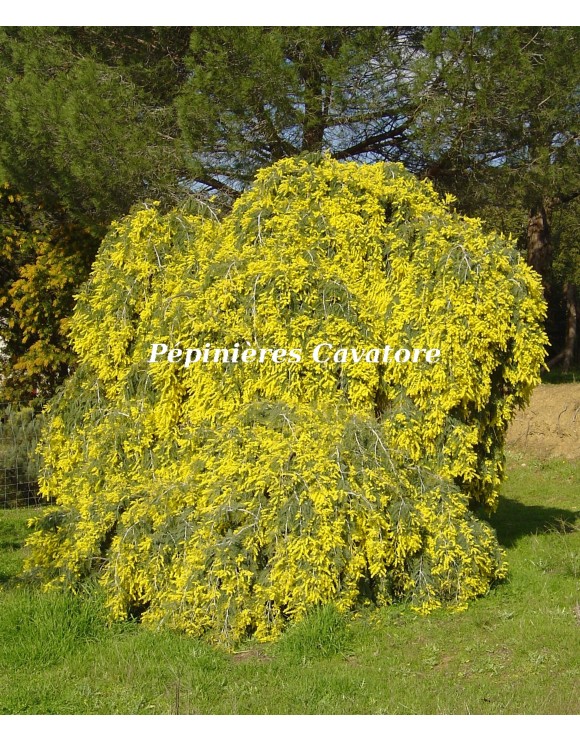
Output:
(12, 534)
(515, 651)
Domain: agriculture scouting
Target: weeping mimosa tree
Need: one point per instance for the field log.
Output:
(302, 403)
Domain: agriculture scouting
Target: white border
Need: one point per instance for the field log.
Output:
(289, 727)
(296, 12)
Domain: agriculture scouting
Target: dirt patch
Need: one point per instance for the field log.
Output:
(550, 426)
(252, 654)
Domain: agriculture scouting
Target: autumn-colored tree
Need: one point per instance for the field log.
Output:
(42, 264)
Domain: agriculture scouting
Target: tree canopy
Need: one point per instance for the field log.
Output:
(94, 120)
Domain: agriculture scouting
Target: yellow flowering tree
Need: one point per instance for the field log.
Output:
(228, 497)
(42, 263)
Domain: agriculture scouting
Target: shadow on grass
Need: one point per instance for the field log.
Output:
(558, 376)
(11, 545)
(11, 577)
(514, 520)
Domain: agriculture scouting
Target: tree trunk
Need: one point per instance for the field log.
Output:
(566, 357)
(540, 245)
(571, 326)
(540, 255)
(314, 115)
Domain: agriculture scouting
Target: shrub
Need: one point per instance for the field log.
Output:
(229, 498)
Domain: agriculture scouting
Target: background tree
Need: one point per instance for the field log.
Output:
(499, 128)
(42, 263)
(99, 118)
(87, 128)
(87, 117)
(258, 94)
(93, 120)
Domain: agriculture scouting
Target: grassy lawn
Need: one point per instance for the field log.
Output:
(515, 651)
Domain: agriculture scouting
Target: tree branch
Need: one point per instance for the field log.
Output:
(217, 185)
(372, 141)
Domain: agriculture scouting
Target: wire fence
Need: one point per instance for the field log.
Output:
(19, 434)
